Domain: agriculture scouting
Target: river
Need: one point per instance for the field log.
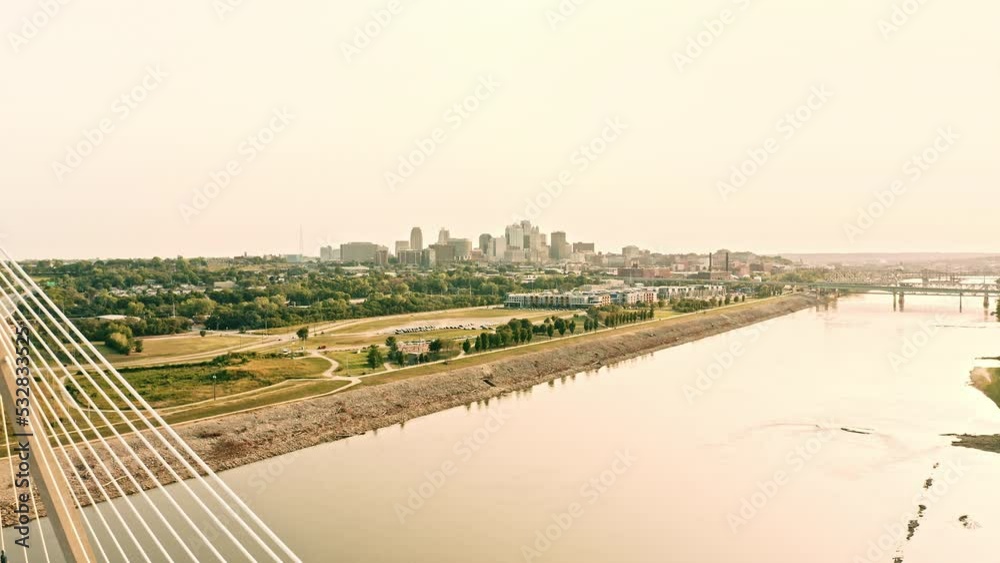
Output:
(811, 438)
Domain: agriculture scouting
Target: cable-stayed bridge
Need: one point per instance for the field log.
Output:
(84, 448)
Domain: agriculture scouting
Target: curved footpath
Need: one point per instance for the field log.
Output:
(243, 438)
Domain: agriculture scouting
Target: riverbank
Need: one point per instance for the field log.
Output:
(240, 439)
(986, 380)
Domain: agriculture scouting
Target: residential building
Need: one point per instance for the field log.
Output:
(554, 300)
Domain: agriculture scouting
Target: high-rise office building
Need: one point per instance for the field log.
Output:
(361, 252)
(443, 253)
(402, 245)
(462, 248)
(484, 242)
(515, 237)
(416, 239)
(444, 236)
(560, 249)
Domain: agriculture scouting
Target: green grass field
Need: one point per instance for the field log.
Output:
(167, 347)
(170, 386)
(353, 364)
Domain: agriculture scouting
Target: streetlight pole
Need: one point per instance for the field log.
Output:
(213, 386)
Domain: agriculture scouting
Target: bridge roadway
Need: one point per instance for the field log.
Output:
(913, 289)
(923, 289)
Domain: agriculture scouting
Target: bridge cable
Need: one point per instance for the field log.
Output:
(114, 431)
(128, 422)
(71, 443)
(155, 416)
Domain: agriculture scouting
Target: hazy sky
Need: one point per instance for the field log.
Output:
(340, 108)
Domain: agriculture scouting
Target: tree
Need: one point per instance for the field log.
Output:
(119, 343)
(203, 333)
(572, 327)
(550, 330)
(560, 325)
(436, 345)
(303, 333)
(392, 343)
(467, 345)
(138, 346)
(375, 357)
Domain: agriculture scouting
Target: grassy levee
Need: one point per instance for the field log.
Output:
(543, 343)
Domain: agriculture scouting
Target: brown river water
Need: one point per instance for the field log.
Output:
(813, 438)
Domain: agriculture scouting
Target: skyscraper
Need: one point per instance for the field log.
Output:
(444, 236)
(515, 237)
(560, 249)
(484, 242)
(416, 239)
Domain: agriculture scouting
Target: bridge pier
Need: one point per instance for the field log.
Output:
(48, 478)
(986, 301)
(902, 301)
(960, 300)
